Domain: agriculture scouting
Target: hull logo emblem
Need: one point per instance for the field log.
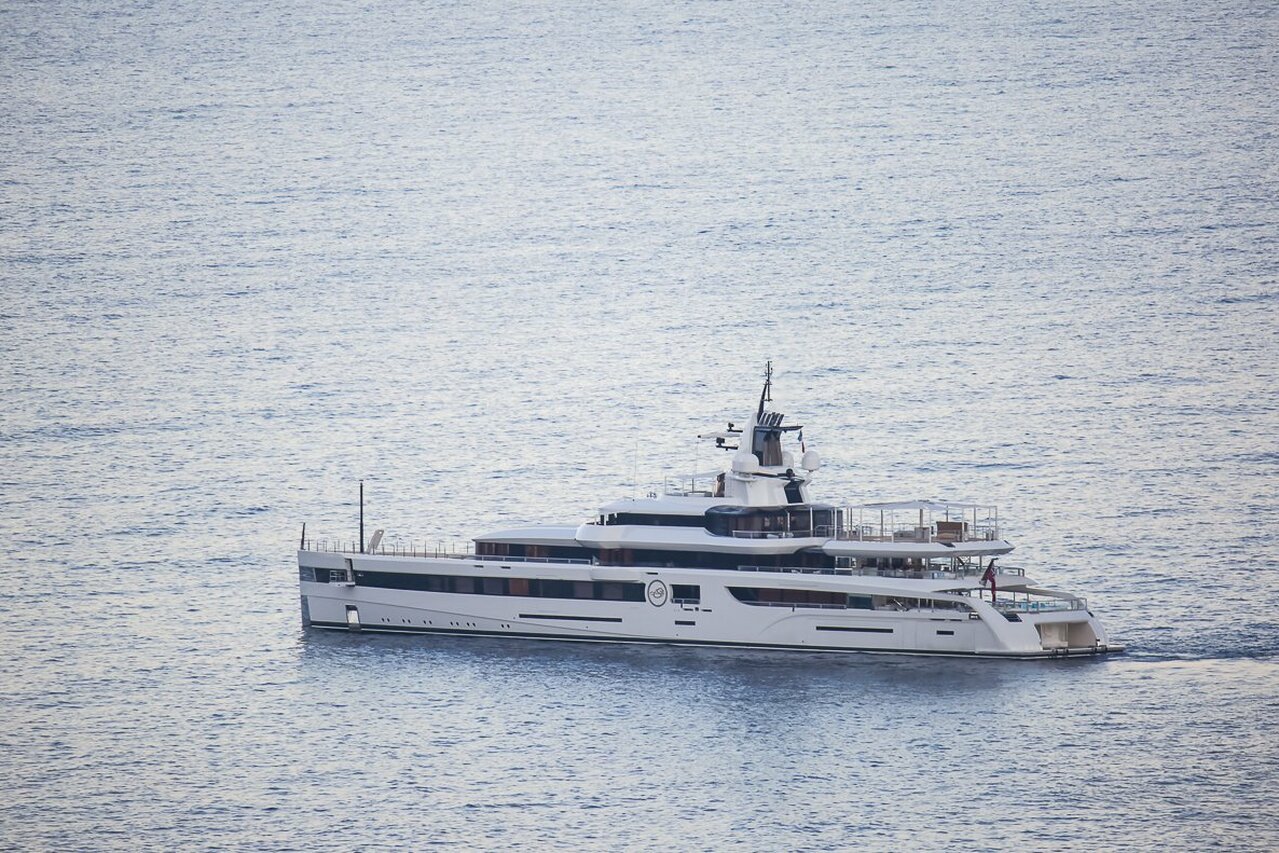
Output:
(657, 593)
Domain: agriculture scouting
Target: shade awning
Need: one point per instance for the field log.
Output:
(929, 506)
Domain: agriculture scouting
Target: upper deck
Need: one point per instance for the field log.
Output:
(967, 574)
(921, 522)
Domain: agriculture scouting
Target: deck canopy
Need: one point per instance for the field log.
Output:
(665, 505)
(925, 521)
(554, 535)
(926, 506)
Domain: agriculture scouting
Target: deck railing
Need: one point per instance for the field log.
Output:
(864, 534)
(799, 570)
(910, 533)
(911, 574)
(937, 574)
(1041, 606)
(818, 532)
(852, 524)
(439, 552)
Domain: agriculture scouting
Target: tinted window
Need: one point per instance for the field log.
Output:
(686, 593)
(525, 587)
(799, 598)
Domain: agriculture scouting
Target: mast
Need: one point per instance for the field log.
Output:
(766, 396)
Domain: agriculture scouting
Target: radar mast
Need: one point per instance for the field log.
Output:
(766, 396)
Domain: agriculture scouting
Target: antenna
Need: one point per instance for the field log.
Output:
(766, 396)
(361, 516)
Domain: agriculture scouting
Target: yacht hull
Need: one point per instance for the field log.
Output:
(691, 607)
(1090, 651)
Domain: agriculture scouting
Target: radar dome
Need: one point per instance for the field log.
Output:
(811, 461)
(744, 462)
(788, 459)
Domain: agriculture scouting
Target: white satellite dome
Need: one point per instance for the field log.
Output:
(788, 459)
(810, 461)
(744, 462)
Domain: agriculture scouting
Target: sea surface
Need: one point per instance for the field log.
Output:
(503, 261)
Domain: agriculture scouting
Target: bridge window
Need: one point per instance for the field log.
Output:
(766, 523)
(766, 444)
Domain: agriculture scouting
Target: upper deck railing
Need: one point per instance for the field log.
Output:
(872, 533)
(958, 572)
(920, 521)
(917, 533)
(411, 550)
(819, 531)
(1040, 605)
(912, 521)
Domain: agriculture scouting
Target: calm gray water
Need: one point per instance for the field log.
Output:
(495, 258)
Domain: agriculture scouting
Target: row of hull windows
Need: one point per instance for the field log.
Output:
(811, 558)
(725, 520)
(709, 559)
(800, 597)
(467, 585)
(648, 519)
(609, 590)
(815, 519)
(814, 598)
(651, 557)
(542, 552)
(808, 558)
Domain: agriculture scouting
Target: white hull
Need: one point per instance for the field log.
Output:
(941, 623)
(749, 561)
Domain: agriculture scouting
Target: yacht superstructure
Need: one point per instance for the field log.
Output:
(747, 560)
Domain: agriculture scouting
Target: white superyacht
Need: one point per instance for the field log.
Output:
(747, 561)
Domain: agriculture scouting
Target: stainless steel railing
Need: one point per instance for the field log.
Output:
(411, 550)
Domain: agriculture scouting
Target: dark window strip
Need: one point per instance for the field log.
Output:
(772, 597)
(855, 630)
(659, 520)
(683, 622)
(521, 587)
(686, 593)
(569, 618)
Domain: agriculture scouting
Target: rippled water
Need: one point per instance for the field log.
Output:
(495, 260)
